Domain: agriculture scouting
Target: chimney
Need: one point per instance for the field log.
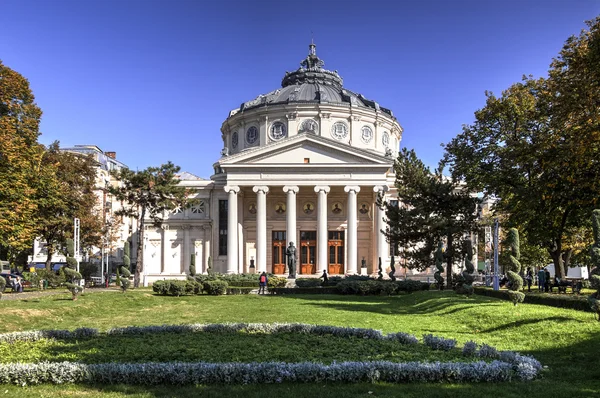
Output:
(112, 155)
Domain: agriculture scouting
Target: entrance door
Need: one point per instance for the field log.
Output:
(308, 250)
(279, 247)
(336, 252)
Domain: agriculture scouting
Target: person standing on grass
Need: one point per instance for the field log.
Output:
(263, 279)
(529, 278)
(541, 279)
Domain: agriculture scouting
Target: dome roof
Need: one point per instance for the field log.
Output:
(311, 83)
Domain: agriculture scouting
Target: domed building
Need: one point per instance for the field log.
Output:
(302, 164)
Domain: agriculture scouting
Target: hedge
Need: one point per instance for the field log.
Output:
(569, 301)
(304, 290)
(505, 366)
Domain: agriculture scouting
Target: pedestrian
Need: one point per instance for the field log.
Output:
(547, 280)
(541, 279)
(263, 279)
(324, 277)
(529, 278)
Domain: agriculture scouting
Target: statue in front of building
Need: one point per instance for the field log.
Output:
(291, 260)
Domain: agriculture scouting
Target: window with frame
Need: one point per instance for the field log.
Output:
(198, 208)
(223, 209)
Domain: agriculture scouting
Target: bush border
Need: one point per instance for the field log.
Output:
(506, 365)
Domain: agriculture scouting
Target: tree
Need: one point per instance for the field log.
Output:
(71, 275)
(432, 208)
(66, 183)
(20, 156)
(148, 194)
(192, 265)
(536, 148)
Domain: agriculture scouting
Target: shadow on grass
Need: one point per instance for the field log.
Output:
(524, 322)
(409, 304)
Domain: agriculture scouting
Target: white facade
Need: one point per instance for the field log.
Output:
(300, 164)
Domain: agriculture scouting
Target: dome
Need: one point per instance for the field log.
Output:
(311, 83)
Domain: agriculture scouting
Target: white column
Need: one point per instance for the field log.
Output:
(322, 233)
(185, 265)
(261, 227)
(352, 256)
(291, 214)
(381, 243)
(163, 248)
(204, 261)
(232, 228)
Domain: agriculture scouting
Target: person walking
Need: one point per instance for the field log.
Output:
(263, 279)
(541, 279)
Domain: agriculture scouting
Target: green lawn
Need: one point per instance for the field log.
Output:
(566, 341)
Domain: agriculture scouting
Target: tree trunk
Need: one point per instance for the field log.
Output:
(49, 258)
(557, 260)
(449, 251)
(566, 256)
(140, 252)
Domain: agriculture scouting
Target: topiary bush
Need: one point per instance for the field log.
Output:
(466, 285)
(594, 299)
(216, 288)
(192, 264)
(72, 276)
(516, 282)
(393, 267)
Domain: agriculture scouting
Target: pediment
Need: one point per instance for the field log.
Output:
(306, 149)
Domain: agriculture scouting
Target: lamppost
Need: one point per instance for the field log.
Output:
(496, 236)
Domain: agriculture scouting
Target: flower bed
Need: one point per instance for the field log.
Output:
(504, 366)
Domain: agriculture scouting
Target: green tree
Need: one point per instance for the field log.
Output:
(192, 264)
(536, 148)
(20, 157)
(432, 208)
(147, 194)
(67, 183)
(516, 282)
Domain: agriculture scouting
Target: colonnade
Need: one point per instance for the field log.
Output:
(291, 191)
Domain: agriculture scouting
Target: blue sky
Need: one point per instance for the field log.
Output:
(154, 80)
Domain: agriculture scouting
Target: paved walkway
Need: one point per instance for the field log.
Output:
(50, 292)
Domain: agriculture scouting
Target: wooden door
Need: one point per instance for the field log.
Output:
(336, 253)
(279, 247)
(308, 251)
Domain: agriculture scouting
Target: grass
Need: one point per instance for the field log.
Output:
(566, 341)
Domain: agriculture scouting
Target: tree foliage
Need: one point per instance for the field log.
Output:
(536, 148)
(20, 156)
(67, 182)
(148, 193)
(432, 208)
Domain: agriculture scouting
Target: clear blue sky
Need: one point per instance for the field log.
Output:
(154, 80)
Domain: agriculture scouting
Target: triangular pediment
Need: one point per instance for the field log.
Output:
(304, 149)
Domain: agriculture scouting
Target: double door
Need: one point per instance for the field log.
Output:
(279, 248)
(308, 252)
(336, 252)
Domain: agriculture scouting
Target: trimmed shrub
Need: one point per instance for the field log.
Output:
(177, 288)
(276, 281)
(161, 287)
(411, 286)
(304, 290)
(308, 282)
(192, 264)
(574, 302)
(2, 285)
(215, 288)
(333, 281)
(439, 343)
